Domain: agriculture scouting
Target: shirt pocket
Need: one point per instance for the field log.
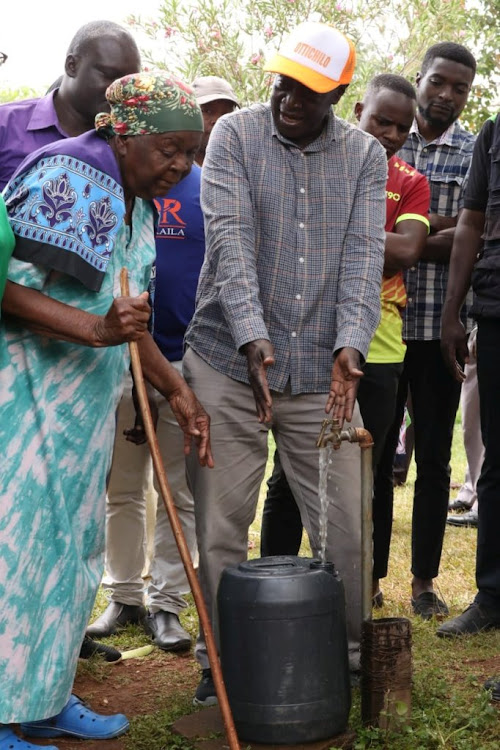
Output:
(492, 220)
(447, 193)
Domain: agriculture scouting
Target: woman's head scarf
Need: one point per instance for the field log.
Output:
(66, 203)
(148, 103)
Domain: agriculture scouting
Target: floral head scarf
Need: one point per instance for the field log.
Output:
(146, 103)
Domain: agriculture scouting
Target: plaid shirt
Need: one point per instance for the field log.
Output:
(445, 162)
(294, 248)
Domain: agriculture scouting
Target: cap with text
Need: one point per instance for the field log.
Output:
(316, 55)
(211, 88)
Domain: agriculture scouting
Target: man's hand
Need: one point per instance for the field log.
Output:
(194, 422)
(344, 384)
(137, 433)
(454, 347)
(126, 320)
(260, 356)
(439, 223)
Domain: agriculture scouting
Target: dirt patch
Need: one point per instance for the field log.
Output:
(144, 686)
(136, 688)
(483, 669)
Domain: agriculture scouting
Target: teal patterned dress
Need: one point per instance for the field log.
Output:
(57, 423)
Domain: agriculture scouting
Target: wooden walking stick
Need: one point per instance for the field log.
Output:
(180, 539)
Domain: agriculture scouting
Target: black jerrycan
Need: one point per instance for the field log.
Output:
(283, 648)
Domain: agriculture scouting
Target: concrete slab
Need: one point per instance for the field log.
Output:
(206, 729)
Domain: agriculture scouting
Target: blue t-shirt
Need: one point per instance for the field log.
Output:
(180, 248)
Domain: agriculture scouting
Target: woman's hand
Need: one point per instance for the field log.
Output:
(194, 422)
(126, 320)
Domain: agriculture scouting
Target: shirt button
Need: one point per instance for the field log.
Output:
(294, 334)
(301, 225)
(409, 300)
(298, 296)
(301, 260)
(302, 190)
(412, 268)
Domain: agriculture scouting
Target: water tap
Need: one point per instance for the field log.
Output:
(332, 436)
(336, 435)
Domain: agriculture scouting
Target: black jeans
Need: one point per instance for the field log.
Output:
(435, 396)
(281, 531)
(377, 396)
(488, 486)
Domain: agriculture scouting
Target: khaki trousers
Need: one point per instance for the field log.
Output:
(129, 482)
(226, 496)
(471, 427)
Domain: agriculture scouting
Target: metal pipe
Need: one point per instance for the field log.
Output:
(366, 529)
(359, 435)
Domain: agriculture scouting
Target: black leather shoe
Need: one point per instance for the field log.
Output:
(467, 520)
(427, 605)
(167, 632)
(472, 621)
(459, 506)
(378, 600)
(115, 617)
(494, 686)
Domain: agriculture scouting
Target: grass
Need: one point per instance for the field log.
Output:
(449, 707)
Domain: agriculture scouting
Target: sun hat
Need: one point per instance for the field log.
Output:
(150, 102)
(316, 55)
(210, 88)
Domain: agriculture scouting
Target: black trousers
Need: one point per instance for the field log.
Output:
(281, 531)
(377, 397)
(488, 486)
(435, 396)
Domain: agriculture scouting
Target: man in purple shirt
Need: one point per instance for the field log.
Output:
(99, 53)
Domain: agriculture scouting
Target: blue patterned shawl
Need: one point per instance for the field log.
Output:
(66, 205)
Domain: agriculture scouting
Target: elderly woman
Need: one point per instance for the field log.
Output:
(80, 210)
(6, 245)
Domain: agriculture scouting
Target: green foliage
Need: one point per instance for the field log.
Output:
(153, 730)
(232, 38)
(438, 721)
(23, 92)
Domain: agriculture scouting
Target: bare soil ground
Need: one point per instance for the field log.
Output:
(136, 687)
(151, 684)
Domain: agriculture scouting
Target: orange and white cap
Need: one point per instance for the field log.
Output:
(316, 55)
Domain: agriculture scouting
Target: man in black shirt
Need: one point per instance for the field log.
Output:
(476, 256)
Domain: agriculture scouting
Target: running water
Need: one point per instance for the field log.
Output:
(325, 459)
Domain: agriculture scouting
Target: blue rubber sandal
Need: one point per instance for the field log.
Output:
(76, 720)
(10, 741)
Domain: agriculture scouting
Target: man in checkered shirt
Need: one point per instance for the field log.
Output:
(442, 150)
(288, 301)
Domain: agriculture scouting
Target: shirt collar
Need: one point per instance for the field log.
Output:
(44, 115)
(449, 137)
(326, 135)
